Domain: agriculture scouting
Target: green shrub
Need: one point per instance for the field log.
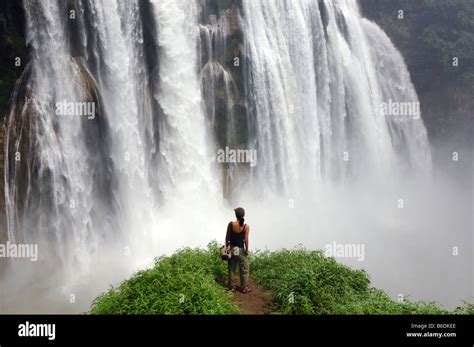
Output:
(307, 282)
(189, 275)
(301, 281)
(467, 308)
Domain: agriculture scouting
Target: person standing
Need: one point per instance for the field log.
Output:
(237, 240)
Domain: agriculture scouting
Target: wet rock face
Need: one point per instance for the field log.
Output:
(12, 47)
(223, 82)
(17, 135)
(22, 167)
(222, 71)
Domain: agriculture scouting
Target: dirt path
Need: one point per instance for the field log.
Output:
(258, 301)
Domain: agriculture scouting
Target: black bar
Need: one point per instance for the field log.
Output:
(227, 330)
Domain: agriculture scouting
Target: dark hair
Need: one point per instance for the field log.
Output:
(239, 214)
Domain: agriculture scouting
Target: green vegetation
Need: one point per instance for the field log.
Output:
(185, 283)
(307, 282)
(430, 34)
(12, 45)
(301, 282)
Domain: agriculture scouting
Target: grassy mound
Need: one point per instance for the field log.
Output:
(307, 282)
(301, 281)
(185, 283)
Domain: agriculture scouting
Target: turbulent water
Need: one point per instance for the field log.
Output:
(316, 98)
(104, 196)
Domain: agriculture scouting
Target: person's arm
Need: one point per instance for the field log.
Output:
(247, 240)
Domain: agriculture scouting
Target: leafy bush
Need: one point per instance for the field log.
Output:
(430, 34)
(189, 274)
(467, 308)
(377, 302)
(301, 281)
(307, 282)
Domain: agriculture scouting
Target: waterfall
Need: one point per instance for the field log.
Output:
(139, 177)
(186, 149)
(316, 100)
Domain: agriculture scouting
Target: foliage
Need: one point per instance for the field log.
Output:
(301, 282)
(12, 45)
(189, 275)
(307, 282)
(430, 34)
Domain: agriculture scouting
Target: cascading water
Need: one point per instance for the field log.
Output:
(313, 101)
(141, 178)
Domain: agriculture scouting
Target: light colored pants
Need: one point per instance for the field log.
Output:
(238, 257)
